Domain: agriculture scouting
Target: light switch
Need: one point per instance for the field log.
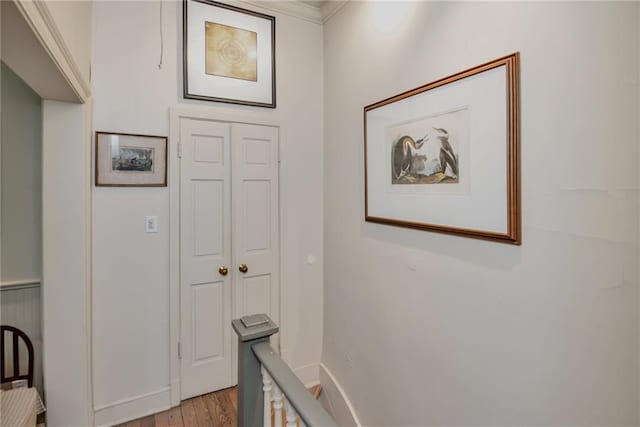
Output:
(151, 224)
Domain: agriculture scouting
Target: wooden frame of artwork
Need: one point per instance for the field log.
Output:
(445, 156)
(130, 160)
(228, 54)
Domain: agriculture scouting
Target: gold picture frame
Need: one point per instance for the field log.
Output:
(406, 171)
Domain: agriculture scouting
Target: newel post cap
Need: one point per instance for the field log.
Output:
(254, 327)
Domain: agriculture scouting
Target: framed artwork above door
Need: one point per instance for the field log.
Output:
(229, 54)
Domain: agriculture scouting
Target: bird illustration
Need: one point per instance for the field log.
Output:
(402, 154)
(447, 155)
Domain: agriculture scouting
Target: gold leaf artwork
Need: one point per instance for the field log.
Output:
(231, 52)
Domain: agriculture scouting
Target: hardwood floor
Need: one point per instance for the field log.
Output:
(217, 409)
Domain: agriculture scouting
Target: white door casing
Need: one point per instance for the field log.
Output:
(229, 215)
(205, 294)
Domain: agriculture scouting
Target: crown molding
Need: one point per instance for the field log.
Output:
(298, 9)
(292, 8)
(330, 8)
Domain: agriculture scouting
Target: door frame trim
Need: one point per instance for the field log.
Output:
(39, 18)
(224, 116)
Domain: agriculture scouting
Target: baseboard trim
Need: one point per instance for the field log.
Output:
(285, 354)
(308, 374)
(335, 400)
(133, 407)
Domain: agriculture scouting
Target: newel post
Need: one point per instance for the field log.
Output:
(250, 395)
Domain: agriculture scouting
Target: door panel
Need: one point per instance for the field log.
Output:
(208, 200)
(255, 225)
(257, 294)
(257, 215)
(208, 149)
(205, 322)
(205, 294)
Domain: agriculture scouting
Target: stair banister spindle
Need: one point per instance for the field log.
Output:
(277, 406)
(291, 414)
(266, 389)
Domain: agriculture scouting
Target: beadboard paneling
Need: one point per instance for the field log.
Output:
(21, 308)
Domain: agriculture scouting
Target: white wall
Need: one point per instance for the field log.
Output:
(21, 179)
(74, 19)
(428, 329)
(131, 282)
(65, 268)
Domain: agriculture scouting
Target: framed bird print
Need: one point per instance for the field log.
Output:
(444, 157)
(229, 54)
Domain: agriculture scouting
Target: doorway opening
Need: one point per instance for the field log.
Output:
(229, 243)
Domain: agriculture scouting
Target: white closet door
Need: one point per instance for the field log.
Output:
(205, 228)
(255, 220)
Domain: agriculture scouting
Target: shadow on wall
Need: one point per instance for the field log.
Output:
(499, 256)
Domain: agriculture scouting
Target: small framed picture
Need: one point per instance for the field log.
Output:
(229, 54)
(445, 157)
(129, 160)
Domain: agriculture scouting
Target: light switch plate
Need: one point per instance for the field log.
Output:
(151, 224)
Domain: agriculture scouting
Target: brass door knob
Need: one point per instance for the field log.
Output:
(223, 270)
(243, 268)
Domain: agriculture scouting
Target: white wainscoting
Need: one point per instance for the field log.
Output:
(20, 307)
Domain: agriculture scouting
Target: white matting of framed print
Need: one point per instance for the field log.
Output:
(130, 160)
(444, 157)
(229, 54)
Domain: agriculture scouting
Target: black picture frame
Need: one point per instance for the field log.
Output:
(189, 94)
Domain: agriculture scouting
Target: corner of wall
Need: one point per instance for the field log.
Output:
(335, 400)
(309, 374)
